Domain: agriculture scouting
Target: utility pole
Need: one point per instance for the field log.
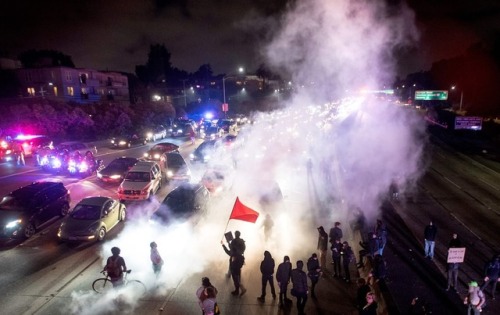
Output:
(184, 91)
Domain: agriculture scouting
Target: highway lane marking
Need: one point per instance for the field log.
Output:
(491, 185)
(456, 185)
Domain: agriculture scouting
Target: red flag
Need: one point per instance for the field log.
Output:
(242, 212)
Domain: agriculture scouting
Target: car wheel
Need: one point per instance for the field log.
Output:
(29, 230)
(65, 209)
(123, 215)
(101, 234)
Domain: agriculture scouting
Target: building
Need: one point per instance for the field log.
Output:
(83, 86)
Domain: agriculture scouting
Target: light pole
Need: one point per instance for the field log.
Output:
(184, 91)
(461, 97)
(241, 70)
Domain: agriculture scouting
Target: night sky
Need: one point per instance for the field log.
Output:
(116, 35)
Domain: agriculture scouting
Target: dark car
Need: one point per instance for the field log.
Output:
(158, 149)
(116, 170)
(212, 132)
(28, 208)
(175, 166)
(91, 219)
(227, 125)
(204, 152)
(185, 202)
(128, 141)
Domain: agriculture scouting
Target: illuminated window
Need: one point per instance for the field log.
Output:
(55, 91)
(70, 90)
(31, 91)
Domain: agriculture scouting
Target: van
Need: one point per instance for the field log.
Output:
(142, 181)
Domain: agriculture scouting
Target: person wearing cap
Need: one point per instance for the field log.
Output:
(322, 246)
(474, 299)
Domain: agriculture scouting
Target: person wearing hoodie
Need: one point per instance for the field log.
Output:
(314, 272)
(283, 275)
(299, 286)
(322, 246)
(267, 270)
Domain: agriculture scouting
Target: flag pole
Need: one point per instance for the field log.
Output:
(227, 224)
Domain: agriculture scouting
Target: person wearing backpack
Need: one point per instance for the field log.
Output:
(236, 262)
(115, 267)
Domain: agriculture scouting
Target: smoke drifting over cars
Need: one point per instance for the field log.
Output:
(331, 152)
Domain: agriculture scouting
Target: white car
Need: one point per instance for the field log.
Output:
(142, 181)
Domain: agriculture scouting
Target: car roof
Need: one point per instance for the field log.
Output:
(143, 166)
(94, 201)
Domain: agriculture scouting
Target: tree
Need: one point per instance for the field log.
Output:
(45, 58)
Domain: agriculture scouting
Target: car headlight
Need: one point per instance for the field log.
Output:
(115, 176)
(123, 142)
(113, 141)
(191, 156)
(13, 224)
(8, 151)
(157, 156)
(145, 155)
(170, 173)
(149, 134)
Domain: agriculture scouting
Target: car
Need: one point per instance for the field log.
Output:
(27, 209)
(72, 147)
(160, 148)
(175, 167)
(204, 152)
(30, 145)
(156, 133)
(116, 171)
(142, 181)
(91, 219)
(185, 202)
(127, 141)
(213, 132)
(227, 125)
(214, 180)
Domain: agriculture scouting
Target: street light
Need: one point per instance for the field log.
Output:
(241, 70)
(461, 97)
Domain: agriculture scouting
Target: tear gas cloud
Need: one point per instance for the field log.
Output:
(329, 153)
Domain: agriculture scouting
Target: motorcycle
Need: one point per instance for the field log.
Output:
(54, 163)
(84, 167)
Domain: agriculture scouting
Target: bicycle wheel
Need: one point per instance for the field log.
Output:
(102, 285)
(137, 287)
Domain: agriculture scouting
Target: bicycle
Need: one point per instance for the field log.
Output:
(102, 285)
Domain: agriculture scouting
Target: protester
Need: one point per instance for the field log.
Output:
(491, 274)
(238, 246)
(474, 299)
(347, 259)
(336, 233)
(299, 286)
(314, 272)
(267, 270)
(370, 249)
(202, 293)
(362, 290)
(283, 275)
(370, 307)
(209, 305)
(379, 269)
(267, 225)
(156, 259)
(336, 257)
(430, 238)
(236, 262)
(381, 232)
(452, 268)
(322, 246)
(115, 267)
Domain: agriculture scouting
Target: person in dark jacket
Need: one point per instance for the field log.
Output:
(299, 286)
(491, 274)
(381, 232)
(238, 246)
(236, 262)
(362, 290)
(335, 233)
(430, 240)
(370, 248)
(370, 307)
(452, 268)
(283, 275)
(336, 257)
(314, 272)
(347, 259)
(322, 246)
(267, 270)
(379, 270)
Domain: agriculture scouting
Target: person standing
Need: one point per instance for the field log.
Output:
(156, 259)
(18, 151)
(236, 261)
(267, 225)
(362, 290)
(347, 258)
(267, 270)
(115, 267)
(491, 274)
(299, 286)
(474, 299)
(322, 246)
(336, 257)
(237, 245)
(381, 232)
(336, 233)
(209, 305)
(370, 308)
(452, 268)
(283, 275)
(314, 272)
(430, 240)
(202, 293)
(370, 249)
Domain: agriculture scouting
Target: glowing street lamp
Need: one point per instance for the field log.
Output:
(453, 87)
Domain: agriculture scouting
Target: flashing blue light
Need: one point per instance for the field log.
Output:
(209, 115)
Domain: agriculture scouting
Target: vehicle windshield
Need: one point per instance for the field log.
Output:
(122, 163)
(12, 203)
(180, 200)
(138, 177)
(175, 161)
(86, 212)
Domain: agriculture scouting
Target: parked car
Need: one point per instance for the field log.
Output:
(185, 202)
(91, 219)
(160, 148)
(116, 171)
(27, 209)
(142, 181)
(127, 141)
(175, 167)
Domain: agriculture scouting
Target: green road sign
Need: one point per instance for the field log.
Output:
(431, 95)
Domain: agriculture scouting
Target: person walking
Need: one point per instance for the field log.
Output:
(335, 233)
(283, 275)
(202, 293)
(491, 274)
(115, 267)
(314, 272)
(299, 286)
(236, 262)
(336, 257)
(209, 305)
(381, 232)
(267, 270)
(452, 268)
(347, 259)
(430, 240)
(474, 299)
(155, 257)
(322, 246)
